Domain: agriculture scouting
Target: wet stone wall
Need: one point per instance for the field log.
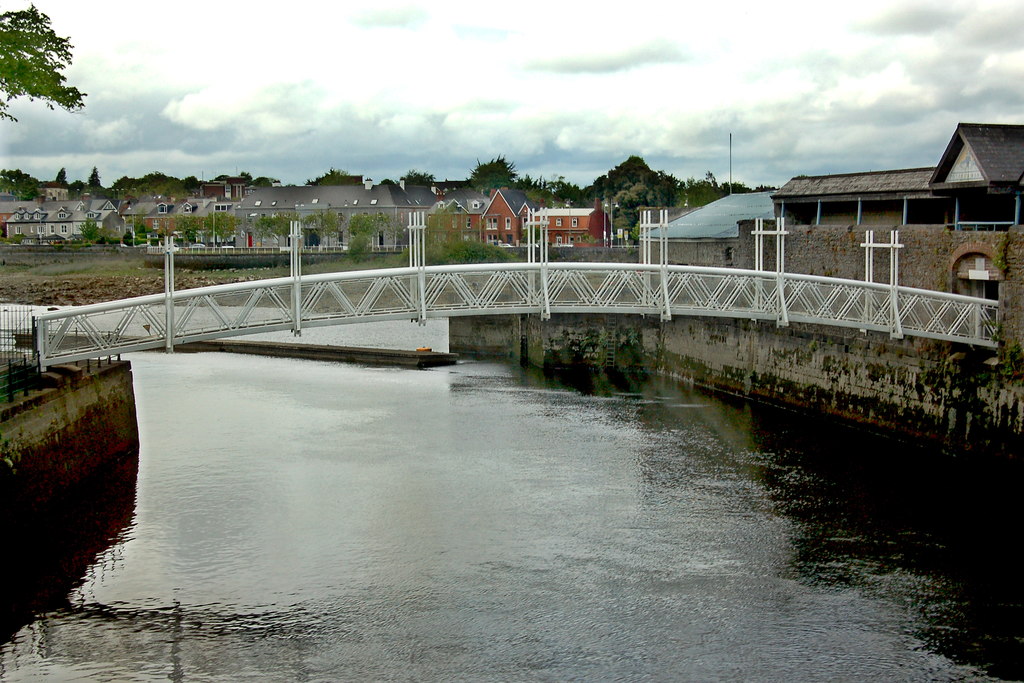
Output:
(56, 438)
(948, 394)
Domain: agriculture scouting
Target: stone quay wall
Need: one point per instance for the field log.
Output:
(58, 437)
(936, 392)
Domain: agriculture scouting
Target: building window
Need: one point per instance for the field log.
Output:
(492, 223)
(575, 222)
(64, 229)
(508, 223)
(558, 222)
(162, 208)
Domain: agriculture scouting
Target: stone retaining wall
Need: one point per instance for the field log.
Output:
(939, 392)
(58, 437)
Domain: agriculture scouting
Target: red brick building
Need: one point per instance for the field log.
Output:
(503, 218)
(569, 227)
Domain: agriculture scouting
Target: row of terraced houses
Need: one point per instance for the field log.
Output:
(498, 218)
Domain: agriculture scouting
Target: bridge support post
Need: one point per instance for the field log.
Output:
(869, 244)
(295, 242)
(780, 232)
(169, 293)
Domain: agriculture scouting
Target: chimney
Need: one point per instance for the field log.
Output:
(401, 183)
(368, 184)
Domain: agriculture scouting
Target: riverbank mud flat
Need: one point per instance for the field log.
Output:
(78, 290)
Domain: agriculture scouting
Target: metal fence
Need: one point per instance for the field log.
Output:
(19, 362)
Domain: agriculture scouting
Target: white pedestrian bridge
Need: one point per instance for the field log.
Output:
(542, 288)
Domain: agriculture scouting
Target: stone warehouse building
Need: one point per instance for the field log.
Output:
(959, 221)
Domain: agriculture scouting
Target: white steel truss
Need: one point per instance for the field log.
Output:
(419, 292)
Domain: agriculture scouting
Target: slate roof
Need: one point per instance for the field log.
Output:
(907, 182)
(515, 199)
(720, 219)
(463, 198)
(310, 197)
(998, 149)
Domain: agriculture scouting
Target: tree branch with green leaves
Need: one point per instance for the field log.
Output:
(32, 59)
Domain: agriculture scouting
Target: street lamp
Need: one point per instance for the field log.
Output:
(611, 224)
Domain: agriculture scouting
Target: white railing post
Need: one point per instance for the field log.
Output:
(666, 312)
(546, 310)
(42, 347)
(418, 258)
(894, 284)
(780, 270)
(169, 293)
(645, 226)
(295, 242)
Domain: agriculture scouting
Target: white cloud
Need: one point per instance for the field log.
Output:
(289, 90)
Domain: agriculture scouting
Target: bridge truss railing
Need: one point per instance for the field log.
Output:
(445, 291)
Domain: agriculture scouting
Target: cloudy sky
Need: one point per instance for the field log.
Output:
(290, 89)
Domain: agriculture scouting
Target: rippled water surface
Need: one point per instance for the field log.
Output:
(295, 520)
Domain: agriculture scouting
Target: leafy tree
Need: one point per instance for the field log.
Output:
(335, 177)
(94, 179)
(553, 192)
(189, 226)
(90, 230)
(264, 181)
(414, 177)
(362, 228)
(221, 225)
(322, 223)
(493, 175)
(693, 192)
(155, 183)
(191, 184)
(32, 59)
(632, 185)
(76, 188)
(62, 177)
(277, 225)
(19, 183)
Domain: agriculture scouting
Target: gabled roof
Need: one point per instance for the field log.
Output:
(907, 182)
(720, 219)
(997, 152)
(464, 199)
(515, 199)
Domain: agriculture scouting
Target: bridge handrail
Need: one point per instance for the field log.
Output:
(485, 267)
(214, 311)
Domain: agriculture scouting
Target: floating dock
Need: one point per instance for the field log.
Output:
(423, 358)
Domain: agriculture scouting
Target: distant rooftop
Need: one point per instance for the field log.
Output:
(720, 219)
(902, 182)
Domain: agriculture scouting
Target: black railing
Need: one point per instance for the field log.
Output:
(19, 362)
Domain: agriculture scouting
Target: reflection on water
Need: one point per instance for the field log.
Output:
(45, 556)
(306, 521)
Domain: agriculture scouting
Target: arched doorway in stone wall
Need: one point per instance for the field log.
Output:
(975, 274)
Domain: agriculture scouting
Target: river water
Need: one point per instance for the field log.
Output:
(296, 520)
